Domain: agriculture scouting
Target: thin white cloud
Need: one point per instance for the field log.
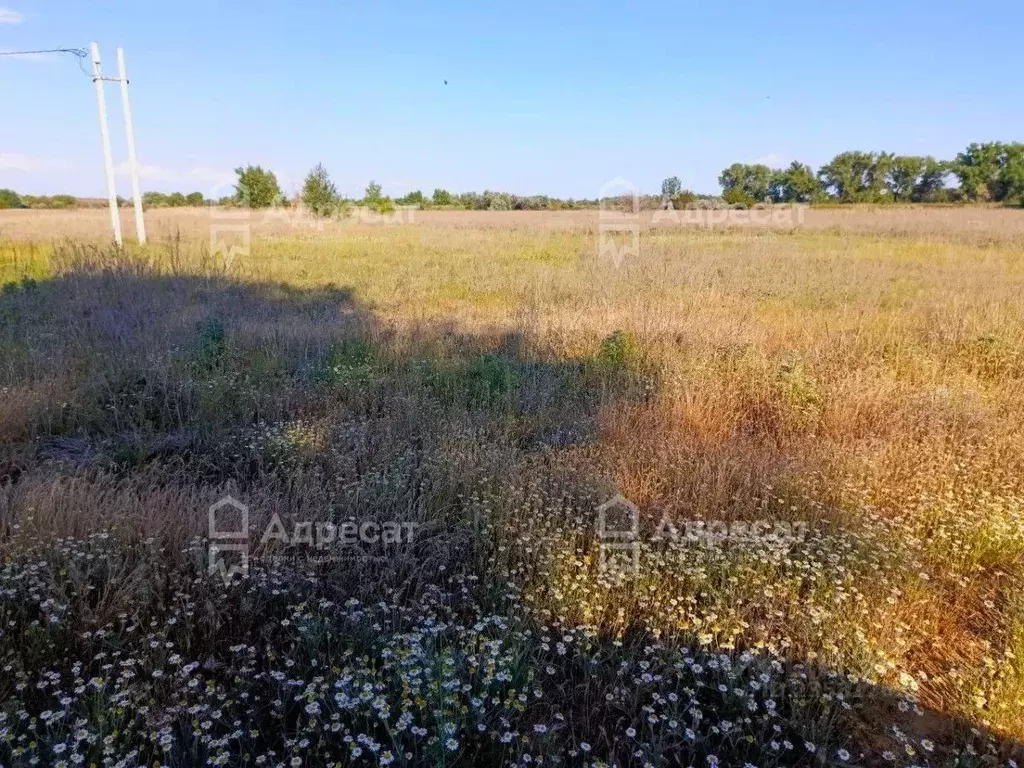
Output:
(209, 177)
(147, 172)
(10, 16)
(404, 187)
(212, 176)
(772, 160)
(13, 161)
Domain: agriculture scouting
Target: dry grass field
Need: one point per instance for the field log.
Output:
(974, 223)
(821, 427)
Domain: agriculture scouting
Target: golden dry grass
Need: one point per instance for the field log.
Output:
(861, 373)
(978, 223)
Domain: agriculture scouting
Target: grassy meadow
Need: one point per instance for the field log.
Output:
(849, 393)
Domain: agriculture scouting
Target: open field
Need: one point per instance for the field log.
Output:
(977, 223)
(821, 427)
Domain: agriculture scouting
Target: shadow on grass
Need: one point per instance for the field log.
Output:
(134, 399)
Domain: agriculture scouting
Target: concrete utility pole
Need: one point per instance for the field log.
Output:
(140, 222)
(108, 162)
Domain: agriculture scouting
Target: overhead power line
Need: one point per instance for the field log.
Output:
(79, 52)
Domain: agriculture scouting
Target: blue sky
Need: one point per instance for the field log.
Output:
(542, 97)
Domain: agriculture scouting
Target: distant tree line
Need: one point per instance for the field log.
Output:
(173, 200)
(992, 172)
(11, 199)
(989, 172)
(320, 195)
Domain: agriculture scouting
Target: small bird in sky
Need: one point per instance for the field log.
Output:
(446, 82)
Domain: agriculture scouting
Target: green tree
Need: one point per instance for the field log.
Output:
(176, 200)
(195, 199)
(10, 199)
(746, 184)
(991, 171)
(931, 182)
(442, 197)
(471, 201)
(796, 184)
(671, 187)
(413, 198)
(978, 168)
(319, 193)
(498, 201)
(256, 187)
(377, 200)
(1013, 174)
(854, 177)
(904, 175)
(373, 192)
(877, 175)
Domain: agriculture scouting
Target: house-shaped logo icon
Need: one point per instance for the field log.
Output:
(229, 519)
(228, 532)
(618, 519)
(618, 535)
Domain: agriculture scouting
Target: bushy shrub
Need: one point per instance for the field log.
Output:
(10, 199)
(490, 378)
(737, 196)
(415, 197)
(256, 187)
(63, 201)
(684, 200)
(210, 343)
(319, 193)
(617, 349)
(486, 380)
(347, 364)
